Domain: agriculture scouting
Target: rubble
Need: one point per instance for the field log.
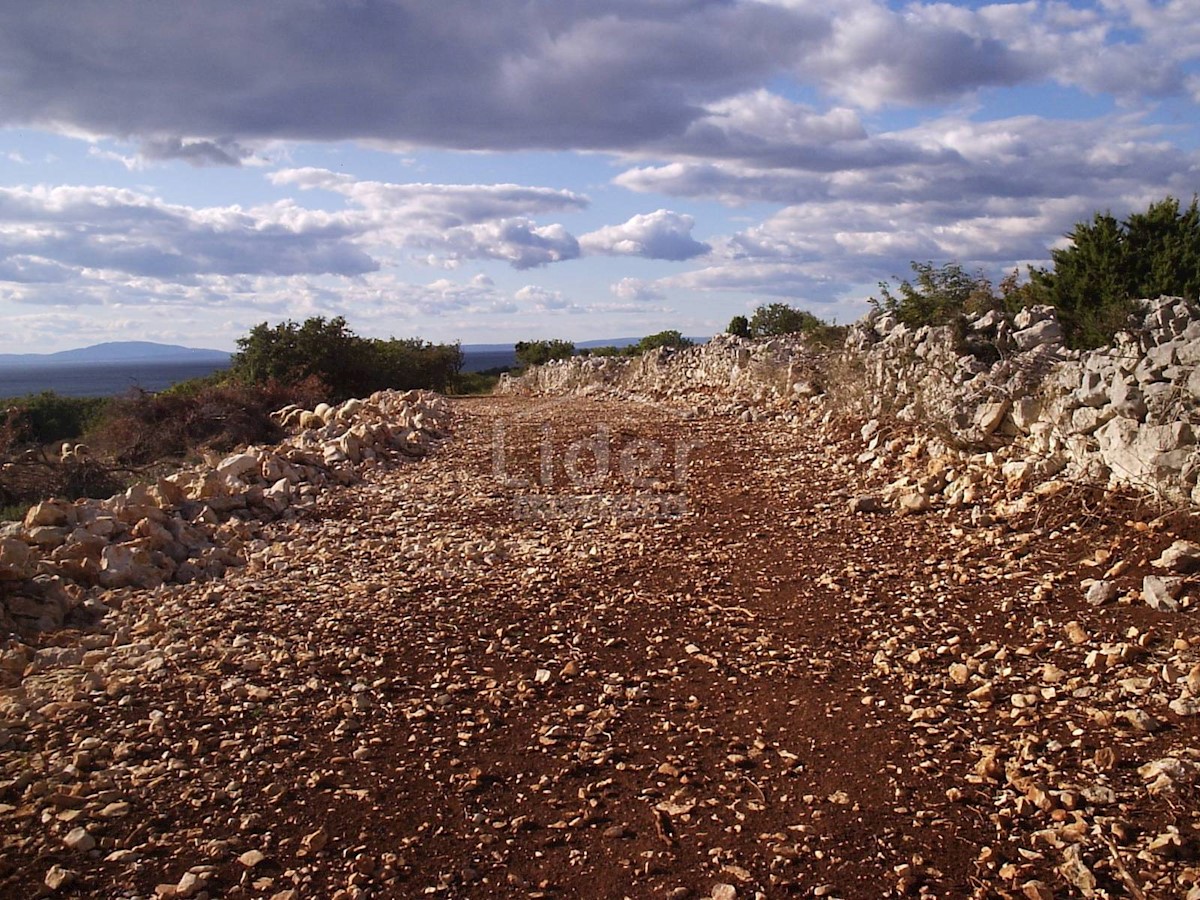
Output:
(193, 525)
(416, 688)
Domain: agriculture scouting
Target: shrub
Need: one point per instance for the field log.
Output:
(140, 428)
(476, 382)
(739, 326)
(538, 353)
(1096, 281)
(47, 417)
(775, 319)
(937, 296)
(671, 339)
(351, 366)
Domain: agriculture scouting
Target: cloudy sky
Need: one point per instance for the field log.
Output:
(495, 170)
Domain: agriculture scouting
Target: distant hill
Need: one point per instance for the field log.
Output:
(116, 352)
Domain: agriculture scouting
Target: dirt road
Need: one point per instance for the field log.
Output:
(602, 650)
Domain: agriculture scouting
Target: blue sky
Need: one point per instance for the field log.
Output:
(499, 170)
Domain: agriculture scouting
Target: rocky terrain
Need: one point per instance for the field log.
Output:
(592, 647)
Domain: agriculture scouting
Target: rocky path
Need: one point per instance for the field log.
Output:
(603, 650)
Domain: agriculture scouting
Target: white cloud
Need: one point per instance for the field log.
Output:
(452, 222)
(661, 234)
(542, 299)
(519, 242)
(637, 290)
(136, 234)
(440, 205)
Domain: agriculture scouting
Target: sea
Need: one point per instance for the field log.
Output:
(111, 379)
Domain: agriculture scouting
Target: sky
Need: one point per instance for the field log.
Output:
(500, 170)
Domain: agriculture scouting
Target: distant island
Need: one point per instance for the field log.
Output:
(117, 352)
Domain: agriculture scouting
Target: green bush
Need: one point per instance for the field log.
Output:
(739, 326)
(776, 319)
(538, 353)
(47, 417)
(475, 382)
(351, 366)
(671, 339)
(1095, 282)
(936, 296)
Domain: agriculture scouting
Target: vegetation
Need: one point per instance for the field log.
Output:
(607, 350)
(538, 353)
(775, 319)
(739, 326)
(140, 428)
(1096, 281)
(936, 296)
(47, 417)
(349, 365)
(671, 339)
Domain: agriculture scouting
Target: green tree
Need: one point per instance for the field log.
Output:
(671, 339)
(1096, 281)
(538, 353)
(290, 352)
(739, 326)
(410, 363)
(937, 295)
(774, 319)
(349, 365)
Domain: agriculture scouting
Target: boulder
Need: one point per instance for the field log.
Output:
(51, 513)
(1045, 332)
(1145, 455)
(238, 464)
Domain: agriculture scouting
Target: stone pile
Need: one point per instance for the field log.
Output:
(1002, 394)
(1121, 414)
(761, 372)
(196, 523)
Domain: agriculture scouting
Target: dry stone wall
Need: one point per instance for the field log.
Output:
(1001, 390)
(198, 522)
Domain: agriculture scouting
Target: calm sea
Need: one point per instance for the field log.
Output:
(99, 379)
(107, 379)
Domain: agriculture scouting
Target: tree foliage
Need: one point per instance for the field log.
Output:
(48, 416)
(774, 319)
(1109, 265)
(739, 326)
(936, 295)
(538, 353)
(670, 339)
(350, 365)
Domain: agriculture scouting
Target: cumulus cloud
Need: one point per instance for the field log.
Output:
(205, 82)
(661, 234)
(134, 233)
(507, 74)
(637, 290)
(452, 222)
(440, 205)
(519, 242)
(542, 299)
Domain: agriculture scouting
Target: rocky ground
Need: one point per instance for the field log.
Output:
(713, 673)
